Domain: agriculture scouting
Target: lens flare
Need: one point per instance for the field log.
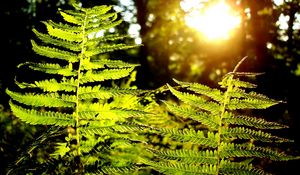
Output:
(216, 21)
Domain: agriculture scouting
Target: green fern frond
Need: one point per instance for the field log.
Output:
(70, 94)
(63, 33)
(174, 167)
(36, 117)
(250, 104)
(107, 74)
(107, 48)
(196, 101)
(235, 150)
(230, 118)
(114, 114)
(72, 17)
(246, 133)
(57, 42)
(215, 94)
(236, 82)
(51, 85)
(53, 69)
(188, 156)
(227, 167)
(90, 92)
(97, 64)
(54, 53)
(208, 139)
(228, 138)
(46, 100)
(202, 117)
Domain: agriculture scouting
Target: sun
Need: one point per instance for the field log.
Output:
(217, 21)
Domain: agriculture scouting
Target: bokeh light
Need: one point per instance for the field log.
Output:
(215, 21)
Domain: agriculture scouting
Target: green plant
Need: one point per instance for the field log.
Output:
(95, 124)
(225, 141)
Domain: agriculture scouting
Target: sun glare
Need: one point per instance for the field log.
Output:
(216, 21)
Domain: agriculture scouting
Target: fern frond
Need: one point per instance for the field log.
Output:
(54, 53)
(227, 167)
(189, 135)
(64, 34)
(97, 64)
(236, 82)
(230, 118)
(97, 10)
(52, 69)
(51, 85)
(188, 156)
(72, 16)
(113, 114)
(90, 92)
(234, 150)
(250, 104)
(46, 100)
(196, 101)
(107, 74)
(246, 133)
(202, 117)
(107, 48)
(172, 168)
(110, 37)
(57, 42)
(215, 94)
(35, 117)
(64, 26)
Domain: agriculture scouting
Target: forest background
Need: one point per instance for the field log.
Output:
(268, 34)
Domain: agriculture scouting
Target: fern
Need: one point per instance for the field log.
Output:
(74, 93)
(227, 140)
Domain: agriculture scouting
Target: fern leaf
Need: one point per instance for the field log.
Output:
(246, 133)
(227, 167)
(230, 118)
(97, 10)
(35, 117)
(236, 82)
(107, 74)
(52, 69)
(188, 156)
(107, 48)
(63, 26)
(250, 104)
(113, 114)
(190, 135)
(215, 94)
(46, 100)
(98, 27)
(172, 168)
(57, 42)
(203, 117)
(54, 53)
(196, 101)
(64, 33)
(72, 17)
(97, 64)
(233, 150)
(51, 85)
(90, 92)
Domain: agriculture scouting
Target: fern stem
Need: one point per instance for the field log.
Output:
(77, 128)
(223, 110)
